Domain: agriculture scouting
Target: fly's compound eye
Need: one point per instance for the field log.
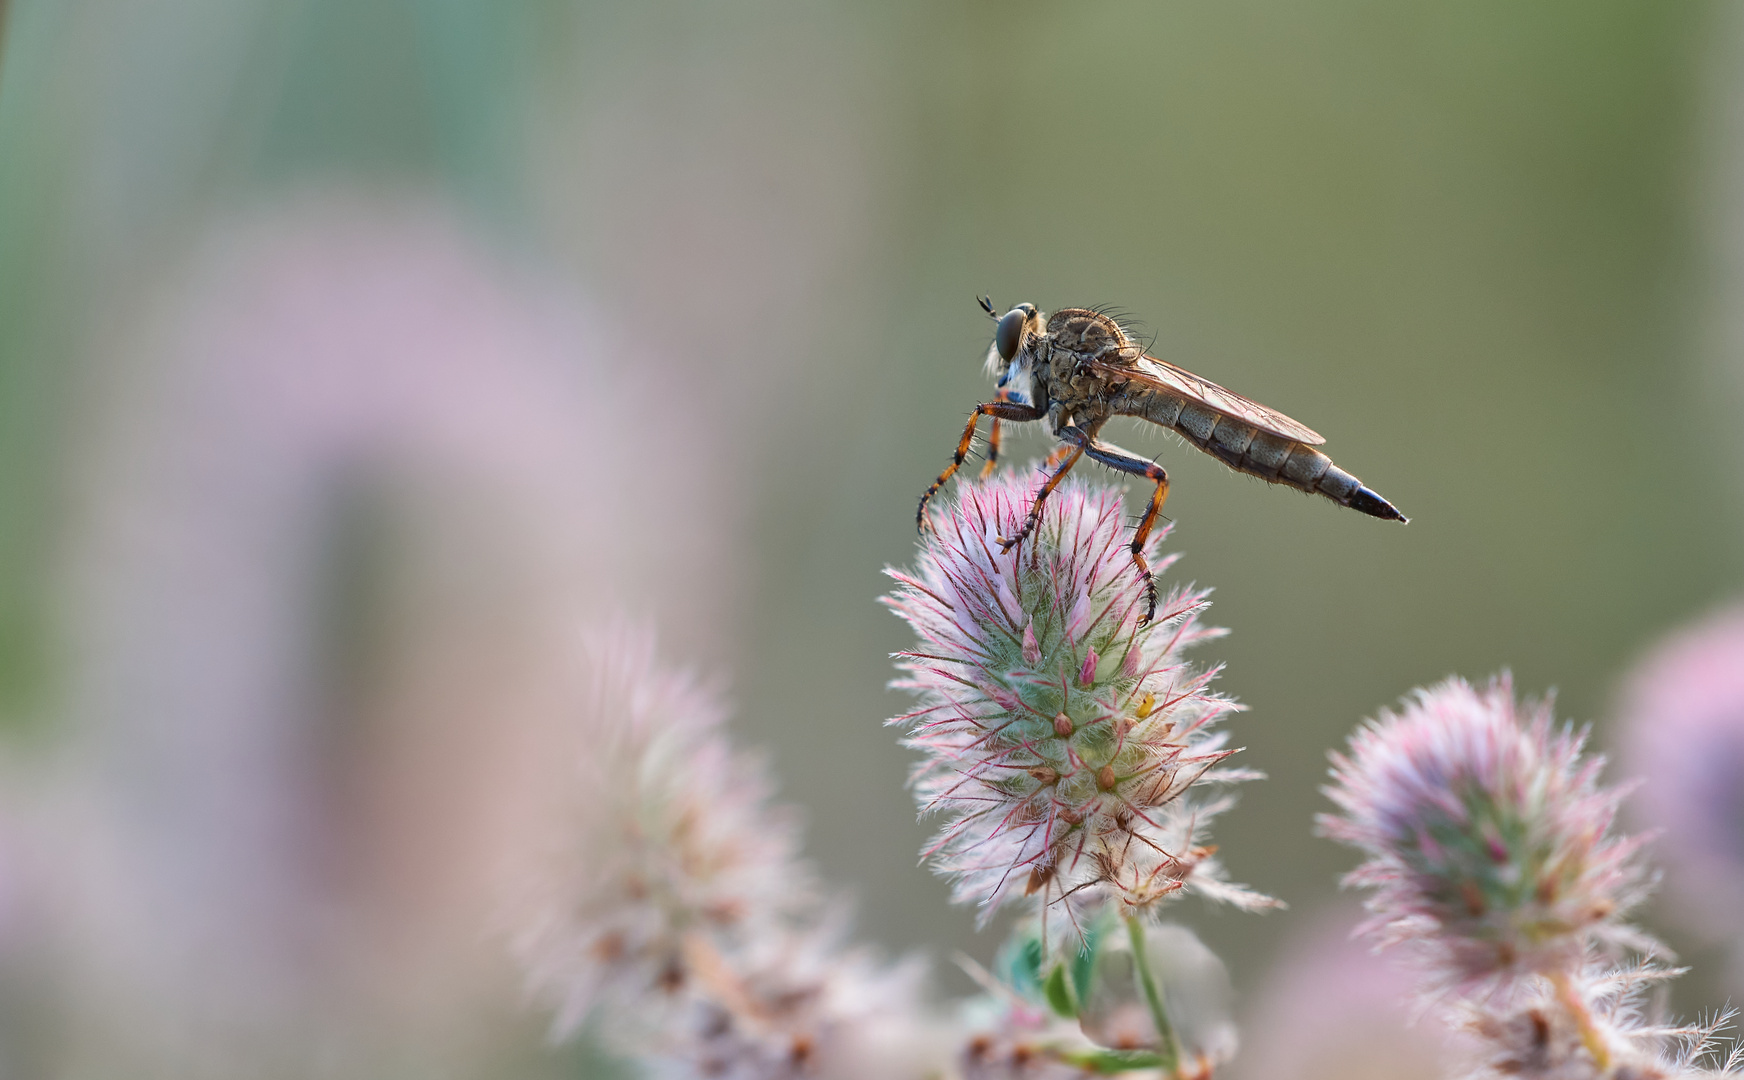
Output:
(1010, 332)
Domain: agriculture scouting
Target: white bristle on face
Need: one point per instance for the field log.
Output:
(994, 363)
(1018, 385)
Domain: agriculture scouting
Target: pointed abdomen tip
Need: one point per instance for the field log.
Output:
(1368, 502)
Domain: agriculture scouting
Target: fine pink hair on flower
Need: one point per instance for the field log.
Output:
(1059, 736)
(1487, 834)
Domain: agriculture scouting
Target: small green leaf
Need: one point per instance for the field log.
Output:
(1084, 961)
(1019, 964)
(1113, 1061)
(1060, 994)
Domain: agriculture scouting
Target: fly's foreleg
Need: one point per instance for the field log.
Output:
(1127, 462)
(999, 410)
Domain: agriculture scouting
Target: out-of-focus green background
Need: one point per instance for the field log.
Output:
(1489, 250)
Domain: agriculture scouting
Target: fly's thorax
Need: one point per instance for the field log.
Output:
(1089, 333)
(1079, 341)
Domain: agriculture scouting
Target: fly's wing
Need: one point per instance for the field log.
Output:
(1165, 376)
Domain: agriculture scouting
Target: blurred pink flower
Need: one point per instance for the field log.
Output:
(1681, 729)
(1014, 1052)
(1487, 834)
(337, 515)
(1490, 850)
(667, 832)
(1331, 1009)
(669, 905)
(1060, 737)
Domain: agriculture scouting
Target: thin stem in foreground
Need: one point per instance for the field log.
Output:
(1168, 1048)
(1591, 1037)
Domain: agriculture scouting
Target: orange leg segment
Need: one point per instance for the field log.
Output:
(1158, 497)
(1128, 462)
(1035, 507)
(999, 410)
(992, 449)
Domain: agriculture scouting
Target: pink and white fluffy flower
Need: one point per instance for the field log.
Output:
(1487, 834)
(667, 841)
(1060, 736)
(670, 905)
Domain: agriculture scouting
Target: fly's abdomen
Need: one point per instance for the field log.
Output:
(1309, 470)
(1270, 457)
(1239, 445)
(1248, 449)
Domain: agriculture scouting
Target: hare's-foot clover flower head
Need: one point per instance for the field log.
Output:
(1487, 833)
(1681, 728)
(1059, 735)
(1489, 846)
(666, 848)
(800, 1003)
(669, 902)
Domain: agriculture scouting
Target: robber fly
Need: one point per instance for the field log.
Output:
(1078, 368)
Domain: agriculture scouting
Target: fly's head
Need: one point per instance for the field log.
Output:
(1012, 356)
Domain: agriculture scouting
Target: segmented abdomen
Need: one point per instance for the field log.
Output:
(1246, 449)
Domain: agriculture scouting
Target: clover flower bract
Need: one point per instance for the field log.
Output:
(1060, 735)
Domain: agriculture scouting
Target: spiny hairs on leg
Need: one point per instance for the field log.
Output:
(1127, 462)
(992, 449)
(999, 410)
(1035, 508)
(1150, 582)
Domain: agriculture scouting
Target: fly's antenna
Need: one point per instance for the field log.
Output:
(987, 306)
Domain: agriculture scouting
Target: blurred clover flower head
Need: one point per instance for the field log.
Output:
(1682, 731)
(671, 907)
(1487, 833)
(1060, 737)
(1490, 849)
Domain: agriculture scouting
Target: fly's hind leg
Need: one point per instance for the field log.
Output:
(1127, 462)
(999, 410)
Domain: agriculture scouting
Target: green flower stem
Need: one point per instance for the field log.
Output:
(1169, 1048)
(1590, 1035)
